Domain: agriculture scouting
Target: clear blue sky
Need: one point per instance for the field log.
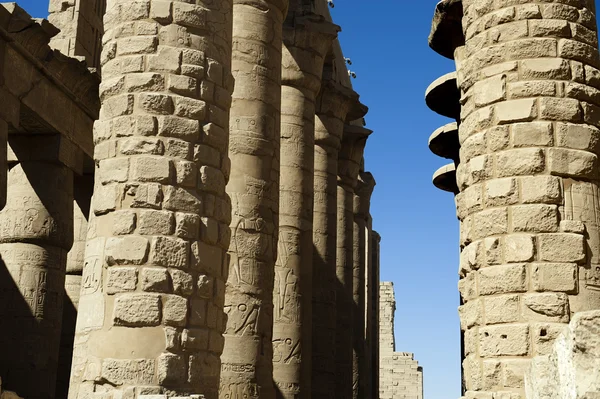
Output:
(387, 42)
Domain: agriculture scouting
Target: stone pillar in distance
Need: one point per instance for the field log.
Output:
(247, 369)
(36, 232)
(528, 181)
(151, 315)
(334, 104)
(307, 39)
(353, 144)
(362, 202)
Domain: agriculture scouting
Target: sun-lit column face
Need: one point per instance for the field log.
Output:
(151, 314)
(528, 181)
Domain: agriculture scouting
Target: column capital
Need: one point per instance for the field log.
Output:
(307, 38)
(362, 194)
(376, 236)
(334, 103)
(353, 146)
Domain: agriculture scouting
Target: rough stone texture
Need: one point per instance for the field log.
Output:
(304, 32)
(161, 143)
(570, 370)
(528, 183)
(247, 369)
(36, 231)
(400, 377)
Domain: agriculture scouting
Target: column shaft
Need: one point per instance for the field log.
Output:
(374, 258)
(36, 231)
(304, 50)
(529, 183)
(247, 370)
(334, 103)
(151, 315)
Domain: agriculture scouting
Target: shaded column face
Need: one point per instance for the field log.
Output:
(82, 193)
(374, 255)
(353, 144)
(3, 148)
(36, 231)
(361, 202)
(292, 293)
(333, 104)
(529, 183)
(247, 370)
(151, 315)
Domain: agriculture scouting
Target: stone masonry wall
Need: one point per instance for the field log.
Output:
(400, 375)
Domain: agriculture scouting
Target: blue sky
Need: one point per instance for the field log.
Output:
(387, 42)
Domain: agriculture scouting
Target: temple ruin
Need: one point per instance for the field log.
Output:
(186, 210)
(523, 143)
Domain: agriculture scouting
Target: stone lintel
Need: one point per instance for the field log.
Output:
(446, 28)
(443, 96)
(445, 178)
(42, 85)
(46, 148)
(444, 143)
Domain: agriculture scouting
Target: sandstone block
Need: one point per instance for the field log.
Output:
(155, 222)
(493, 251)
(567, 162)
(501, 309)
(183, 283)
(512, 111)
(187, 225)
(171, 369)
(539, 218)
(560, 109)
(190, 108)
(195, 338)
(514, 372)
(502, 279)
(179, 199)
(535, 88)
(124, 222)
(126, 250)
(561, 247)
(121, 279)
(186, 173)
(155, 279)
(138, 82)
(558, 277)
(467, 287)
(137, 310)
(504, 340)
(490, 222)
(151, 169)
(577, 136)
(114, 170)
(519, 162)
(198, 312)
(519, 248)
(546, 307)
(121, 371)
(205, 286)
(105, 199)
(177, 127)
(141, 145)
(572, 226)
(533, 134)
(540, 189)
(175, 310)
(545, 68)
(146, 196)
(170, 252)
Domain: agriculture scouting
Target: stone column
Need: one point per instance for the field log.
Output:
(362, 202)
(333, 105)
(307, 38)
(528, 178)
(151, 315)
(247, 370)
(36, 232)
(374, 318)
(353, 144)
(82, 191)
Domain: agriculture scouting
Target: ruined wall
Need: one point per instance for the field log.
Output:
(400, 376)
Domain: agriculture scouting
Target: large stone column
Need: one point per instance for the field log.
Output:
(247, 370)
(334, 103)
(362, 202)
(151, 307)
(36, 232)
(528, 178)
(374, 318)
(307, 38)
(353, 144)
(82, 192)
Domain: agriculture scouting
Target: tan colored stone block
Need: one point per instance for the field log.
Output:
(121, 279)
(516, 111)
(558, 277)
(525, 161)
(545, 68)
(500, 192)
(540, 189)
(552, 307)
(504, 340)
(137, 310)
(577, 136)
(533, 134)
(126, 250)
(471, 314)
(519, 248)
(490, 222)
(566, 162)
(560, 109)
(514, 372)
(502, 279)
(501, 309)
(540, 218)
(561, 247)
